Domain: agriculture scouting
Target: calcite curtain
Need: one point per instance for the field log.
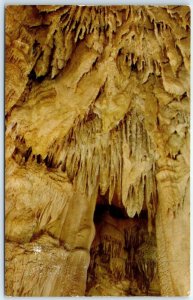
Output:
(97, 117)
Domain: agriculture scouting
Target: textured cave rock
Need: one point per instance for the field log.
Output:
(97, 108)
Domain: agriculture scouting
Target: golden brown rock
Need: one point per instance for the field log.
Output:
(97, 117)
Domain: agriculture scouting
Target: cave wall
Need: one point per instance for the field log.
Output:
(96, 105)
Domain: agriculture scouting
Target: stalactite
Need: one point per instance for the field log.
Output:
(97, 111)
(111, 246)
(115, 151)
(104, 172)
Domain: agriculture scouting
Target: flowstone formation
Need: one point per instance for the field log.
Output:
(97, 150)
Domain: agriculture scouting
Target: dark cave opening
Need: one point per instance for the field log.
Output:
(123, 258)
(116, 212)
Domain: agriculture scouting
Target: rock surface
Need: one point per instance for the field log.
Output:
(97, 114)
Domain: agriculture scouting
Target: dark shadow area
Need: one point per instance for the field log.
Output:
(123, 255)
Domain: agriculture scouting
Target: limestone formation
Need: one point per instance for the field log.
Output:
(97, 108)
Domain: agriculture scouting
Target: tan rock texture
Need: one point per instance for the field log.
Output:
(97, 108)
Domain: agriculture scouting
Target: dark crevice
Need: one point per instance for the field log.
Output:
(120, 255)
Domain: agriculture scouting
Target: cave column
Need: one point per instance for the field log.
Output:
(172, 231)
